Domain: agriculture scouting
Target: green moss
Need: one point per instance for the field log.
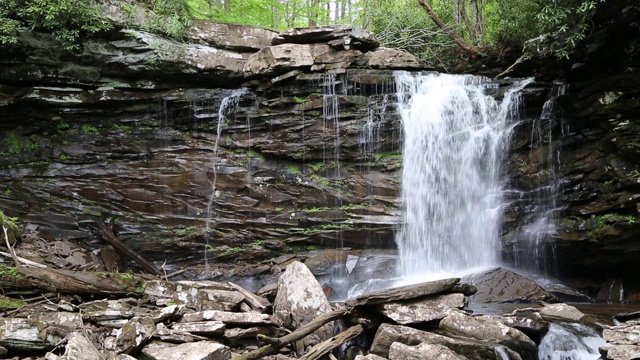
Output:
(254, 155)
(293, 169)
(314, 210)
(320, 180)
(317, 166)
(9, 304)
(88, 129)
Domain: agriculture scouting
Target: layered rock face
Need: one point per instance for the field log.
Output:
(581, 158)
(143, 133)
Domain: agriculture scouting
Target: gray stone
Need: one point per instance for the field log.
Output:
(349, 35)
(232, 36)
(622, 335)
(421, 310)
(279, 59)
(209, 328)
(387, 58)
(300, 299)
(134, 335)
(103, 311)
(248, 318)
(623, 352)
(400, 351)
(202, 350)
(176, 337)
(37, 333)
(78, 348)
(457, 323)
(369, 357)
(199, 296)
(388, 334)
(502, 285)
(561, 311)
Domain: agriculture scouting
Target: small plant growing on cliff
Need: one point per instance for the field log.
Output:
(630, 219)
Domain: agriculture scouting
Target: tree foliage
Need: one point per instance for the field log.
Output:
(398, 23)
(65, 19)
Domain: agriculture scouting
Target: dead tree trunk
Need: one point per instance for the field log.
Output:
(471, 49)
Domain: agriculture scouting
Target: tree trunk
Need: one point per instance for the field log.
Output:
(471, 49)
(467, 23)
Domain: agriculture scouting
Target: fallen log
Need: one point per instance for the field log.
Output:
(76, 282)
(317, 351)
(120, 246)
(275, 344)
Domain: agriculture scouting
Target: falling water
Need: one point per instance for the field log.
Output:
(227, 104)
(454, 140)
(570, 342)
(541, 203)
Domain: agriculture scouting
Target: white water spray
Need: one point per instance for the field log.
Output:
(454, 140)
(570, 342)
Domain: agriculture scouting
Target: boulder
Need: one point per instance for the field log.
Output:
(622, 335)
(232, 36)
(503, 285)
(387, 58)
(78, 348)
(400, 351)
(471, 349)
(300, 299)
(457, 323)
(347, 35)
(623, 352)
(37, 333)
(134, 335)
(208, 328)
(165, 334)
(199, 296)
(422, 310)
(203, 350)
(561, 311)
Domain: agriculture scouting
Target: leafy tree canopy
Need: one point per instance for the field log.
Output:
(490, 24)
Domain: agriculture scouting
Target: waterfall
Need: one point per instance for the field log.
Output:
(227, 104)
(570, 342)
(541, 202)
(455, 136)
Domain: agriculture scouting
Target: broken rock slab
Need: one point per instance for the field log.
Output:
(422, 310)
(202, 350)
(387, 58)
(134, 335)
(206, 295)
(232, 36)
(209, 328)
(37, 333)
(347, 36)
(561, 311)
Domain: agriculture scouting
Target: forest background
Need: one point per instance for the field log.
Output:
(493, 27)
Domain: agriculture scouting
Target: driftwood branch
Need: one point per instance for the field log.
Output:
(471, 49)
(9, 248)
(23, 260)
(254, 301)
(111, 239)
(324, 347)
(275, 344)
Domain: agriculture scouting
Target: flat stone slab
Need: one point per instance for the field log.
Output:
(229, 318)
(416, 311)
(212, 328)
(405, 292)
(202, 350)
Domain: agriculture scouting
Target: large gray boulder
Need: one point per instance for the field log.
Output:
(300, 299)
(503, 285)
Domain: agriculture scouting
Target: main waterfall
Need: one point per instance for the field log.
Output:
(455, 136)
